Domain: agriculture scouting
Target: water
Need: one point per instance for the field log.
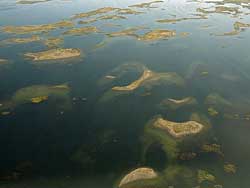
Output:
(90, 138)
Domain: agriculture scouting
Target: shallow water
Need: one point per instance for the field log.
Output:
(109, 128)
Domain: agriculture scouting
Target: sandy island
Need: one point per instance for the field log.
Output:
(178, 130)
(54, 54)
(138, 174)
(146, 74)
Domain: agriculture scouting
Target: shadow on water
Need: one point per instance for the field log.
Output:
(156, 158)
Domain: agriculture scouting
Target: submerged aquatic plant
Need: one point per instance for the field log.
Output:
(216, 101)
(148, 80)
(37, 94)
(173, 135)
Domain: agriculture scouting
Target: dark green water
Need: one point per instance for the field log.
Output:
(109, 133)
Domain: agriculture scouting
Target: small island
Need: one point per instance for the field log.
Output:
(146, 5)
(138, 174)
(33, 38)
(181, 101)
(3, 61)
(173, 21)
(148, 80)
(146, 74)
(81, 31)
(36, 28)
(178, 103)
(240, 25)
(31, 1)
(178, 130)
(111, 17)
(36, 94)
(94, 12)
(237, 28)
(230, 168)
(54, 54)
(53, 42)
(212, 148)
(203, 175)
(128, 11)
(125, 32)
(157, 34)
